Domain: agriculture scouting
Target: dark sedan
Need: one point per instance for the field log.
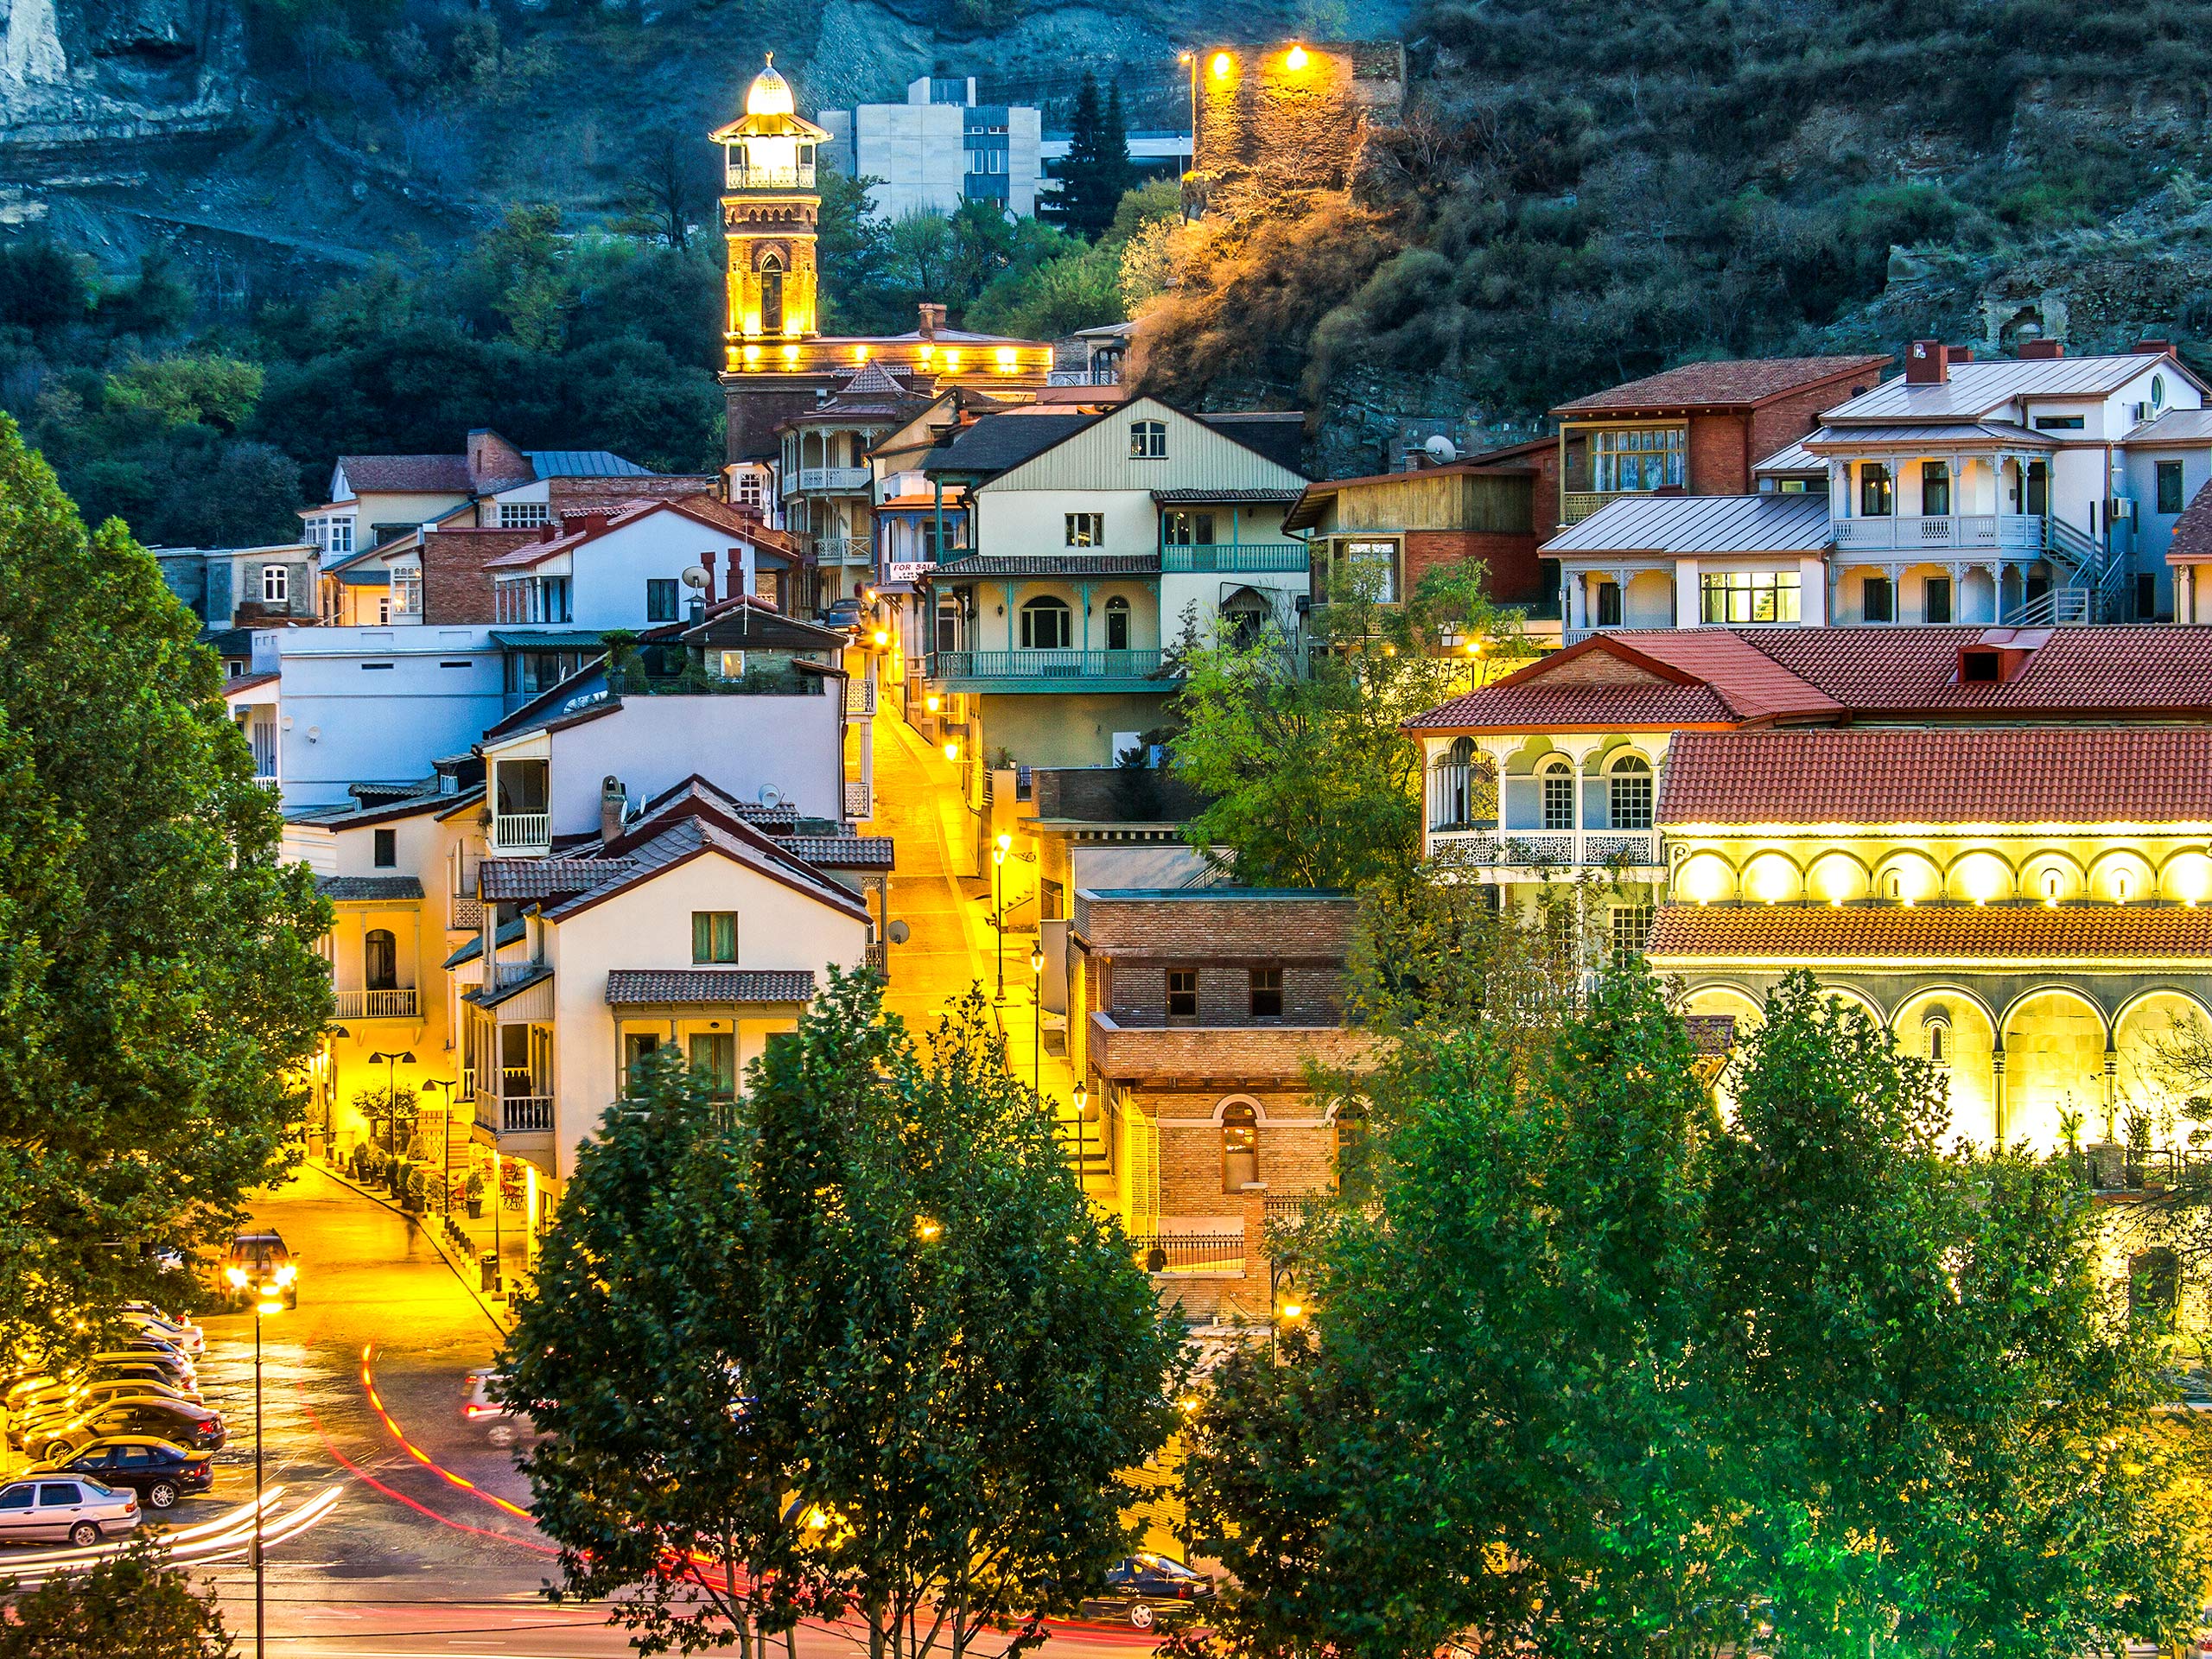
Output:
(197, 1428)
(1148, 1589)
(159, 1471)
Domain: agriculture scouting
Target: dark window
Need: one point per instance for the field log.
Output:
(1045, 625)
(1877, 494)
(2169, 486)
(660, 600)
(2146, 596)
(57, 1495)
(2060, 423)
(771, 296)
(16, 1497)
(1266, 993)
(380, 961)
(1190, 530)
(387, 852)
(1631, 931)
(1878, 600)
(1934, 489)
(714, 936)
(1117, 624)
(1939, 599)
(713, 1063)
(1979, 667)
(1182, 993)
(2038, 489)
(1609, 604)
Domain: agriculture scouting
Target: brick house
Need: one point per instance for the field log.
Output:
(1200, 1009)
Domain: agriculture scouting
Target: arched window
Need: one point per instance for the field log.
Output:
(1045, 624)
(2120, 884)
(772, 293)
(1558, 793)
(1452, 789)
(1148, 441)
(1894, 885)
(1240, 1147)
(380, 961)
(1355, 1161)
(1117, 624)
(1627, 793)
(1935, 1036)
(1245, 614)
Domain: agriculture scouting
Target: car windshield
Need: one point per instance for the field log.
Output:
(1165, 1568)
(257, 1252)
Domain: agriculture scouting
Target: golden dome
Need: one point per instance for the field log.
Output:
(770, 93)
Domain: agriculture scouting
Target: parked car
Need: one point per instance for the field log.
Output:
(160, 1472)
(482, 1409)
(197, 1428)
(259, 1268)
(181, 1334)
(179, 1373)
(1146, 1589)
(89, 1397)
(77, 1511)
(843, 613)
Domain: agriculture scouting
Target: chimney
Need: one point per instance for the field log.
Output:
(2031, 349)
(613, 805)
(549, 531)
(2154, 348)
(493, 459)
(1925, 364)
(932, 319)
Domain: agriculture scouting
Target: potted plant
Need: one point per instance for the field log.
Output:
(474, 1193)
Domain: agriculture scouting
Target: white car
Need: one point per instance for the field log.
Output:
(181, 1334)
(72, 1511)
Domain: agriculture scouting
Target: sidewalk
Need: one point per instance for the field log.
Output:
(514, 1246)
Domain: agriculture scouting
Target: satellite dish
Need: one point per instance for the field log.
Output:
(898, 933)
(1441, 450)
(695, 577)
(771, 796)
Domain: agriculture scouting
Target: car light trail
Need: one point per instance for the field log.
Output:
(375, 1403)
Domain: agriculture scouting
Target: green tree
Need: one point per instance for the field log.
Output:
(909, 1358)
(1096, 170)
(130, 1606)
(1299, 739)
(209, 390)
(157, 959)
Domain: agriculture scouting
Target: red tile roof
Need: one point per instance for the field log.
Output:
(2009, 775)
(1790, 933)
(1660, 678)
(409, 475)
(2096, 672)
(1740, 384)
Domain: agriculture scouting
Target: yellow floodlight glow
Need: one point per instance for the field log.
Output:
(1007, 358)
(927, 352)
(791, 353)
(1293, 1311)
(881, 636)
(1222, 63)
(927, 1230)
(1182, 57)
(751, 355)
(1295, 58)
(952, 752)
(860, 353)
(930, 702)
(1005, 842)
(951, 358)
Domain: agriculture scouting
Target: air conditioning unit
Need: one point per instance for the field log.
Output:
(2138, 413)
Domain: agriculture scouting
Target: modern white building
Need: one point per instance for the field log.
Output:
(939, 148)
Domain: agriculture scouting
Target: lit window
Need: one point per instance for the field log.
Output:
(1147, 440)
(1637, 459)
(524, 515)
(407, 591)
(1935, 1036)
(276, 584)
(730, 665)
(1877, 492)
(1753, 596)
(714, 936)
(1086, 529)
(1240, 1148)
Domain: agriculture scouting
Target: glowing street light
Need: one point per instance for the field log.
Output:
(931, 701)
(1037, 1023)
(1222, 63)
(998, 904)
(1295, 58)
(952, 753)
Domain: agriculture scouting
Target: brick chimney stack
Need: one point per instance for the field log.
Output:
(2032, 349)
(932, 319)
(1926, 363)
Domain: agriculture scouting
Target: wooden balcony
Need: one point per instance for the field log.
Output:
(376, 1005)
(1049, 671)
(1135, 1046)
(525, 1113)
(1237, 558)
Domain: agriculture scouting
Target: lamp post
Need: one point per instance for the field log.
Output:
(448, 1084)
(1191, 58)
(262, 1311)
(1037, 1021)
(334, 1036)
(391, 1064)
(998, 905)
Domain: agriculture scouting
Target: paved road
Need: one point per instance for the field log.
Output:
(410, 1566)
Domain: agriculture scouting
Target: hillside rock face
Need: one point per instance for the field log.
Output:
(82, 72)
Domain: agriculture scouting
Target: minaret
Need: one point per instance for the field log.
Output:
(769, 210)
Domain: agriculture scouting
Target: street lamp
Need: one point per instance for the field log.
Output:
(952, 753)
(998, 904)
(392, 1063)
(1081, 1098)
(1037, 1021)
(262, 1311)
(448, 1084)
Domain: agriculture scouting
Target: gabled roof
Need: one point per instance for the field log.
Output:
(1770, 521)
(2028, 934)
(543, 878)
(1792, 457)
(692, 837)
(351, 817)
(2192, 538)
(408, 474)
(511, 934)
(1977, 388)
(583, 463)
(1647, 680)
(2189, 426)
(360, 887)
(2079, 775)
(1740, 382)
(699, 987)
(1000, 441)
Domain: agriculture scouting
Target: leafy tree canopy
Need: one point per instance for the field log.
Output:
(130, 1606)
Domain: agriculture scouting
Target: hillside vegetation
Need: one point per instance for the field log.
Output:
(1583, 191)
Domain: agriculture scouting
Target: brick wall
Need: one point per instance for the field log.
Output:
(1295, 1157)
(1717, 465)
(1312, 993)
(1303, 926)
(1515, 575)
(1787, 419)
(456, 588)
(1261, 1053)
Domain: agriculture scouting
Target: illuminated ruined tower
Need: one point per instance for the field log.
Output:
(769, 210)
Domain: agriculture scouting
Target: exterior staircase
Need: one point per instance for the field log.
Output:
(1085, 1145)
(2096, 589)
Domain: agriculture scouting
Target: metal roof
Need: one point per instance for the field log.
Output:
(1943, 433)
(1792, 458)
(2175, 426)
(548, 639)
(1770, 521)
(584, 463)
(1978, 388)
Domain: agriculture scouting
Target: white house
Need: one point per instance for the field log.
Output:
(627, 567)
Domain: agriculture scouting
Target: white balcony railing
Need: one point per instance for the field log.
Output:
(1893, 532)
(836, 480)
(375, 1005)
(859, 698)
(1547, 848)
(525, 1113)
(842, 549)
(1083, 378)
(522, 831)
(860, 800)
(799, 176)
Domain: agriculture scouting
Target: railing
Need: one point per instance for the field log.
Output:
(1575, 505)
(375, 1005)
(859, 698)
(1462, 797)
(1083, 378)
(1044, 664)
(2109, 1169)
(799, 176)
(525, 1113)
(838, 478)
(2059, 607)
(842, 549)
(1898, 531)
(464, 910)
(1235, 557)
(1557, 849)
(512, 973)
(1188, 1252)
(860, 799)
(879, 958)
(522, 830)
